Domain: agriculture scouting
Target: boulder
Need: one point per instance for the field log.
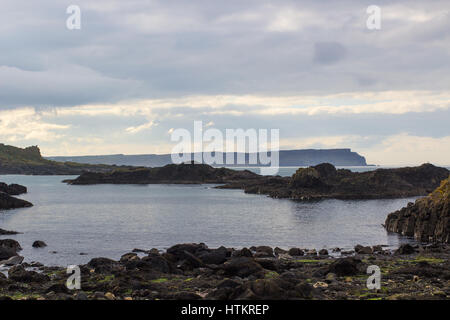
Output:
(178, 251)
(244, 252)
(19, 274)
(9, 248)
(12, 189)
(323, 252)
(363, 250)
(104, 265)
(296, 252)
(39, 244)
(216, 256)
(9, 202)
(15, 260)
(346, 267)
(155, 263)
(405, 249)
(241, 267)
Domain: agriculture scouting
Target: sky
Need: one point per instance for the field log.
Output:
(137, 70)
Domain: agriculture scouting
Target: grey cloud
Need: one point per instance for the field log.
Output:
(329, 52)
(143, 49)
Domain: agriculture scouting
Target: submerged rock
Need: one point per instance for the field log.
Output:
(39, 244)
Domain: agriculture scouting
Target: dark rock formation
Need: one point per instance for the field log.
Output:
(8, 248)
(7, 232)
(12, 189)
(9, 202)
(182, 173)
(324, 181)
(427, 220)
(39, 244)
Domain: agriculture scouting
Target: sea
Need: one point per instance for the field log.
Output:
(79, 223)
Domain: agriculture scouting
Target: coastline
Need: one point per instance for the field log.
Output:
(196, 272)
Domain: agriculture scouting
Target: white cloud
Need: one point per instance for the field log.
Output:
(25, 124)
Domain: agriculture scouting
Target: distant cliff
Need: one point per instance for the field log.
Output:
(307, 157)
(15, 160)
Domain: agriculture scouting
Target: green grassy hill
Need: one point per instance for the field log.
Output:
(29, 160)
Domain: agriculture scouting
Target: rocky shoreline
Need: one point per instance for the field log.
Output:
(194, 272)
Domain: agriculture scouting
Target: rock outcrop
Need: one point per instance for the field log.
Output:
(427, 220)
(7, 201)
(325, 181)
(172, 173)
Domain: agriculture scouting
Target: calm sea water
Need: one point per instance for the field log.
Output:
(110, 220)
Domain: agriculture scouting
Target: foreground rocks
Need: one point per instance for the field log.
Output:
(427, 220)
(7, 201)
(194, 271)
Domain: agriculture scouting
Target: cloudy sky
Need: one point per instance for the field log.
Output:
(138, 69)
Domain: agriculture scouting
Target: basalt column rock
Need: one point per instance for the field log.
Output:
(428, 219)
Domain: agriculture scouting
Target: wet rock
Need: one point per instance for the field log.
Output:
(9, 248)
(363, 250)
(19, 274)
(268, 263)
(9, 202)
(346, 267)
(129, 257)
(39, 244)
(405, 249)
(241, 267)
(228, 283)
(304, 290)
(323, 252)
(268, 251)
(296, 252)
(279, 251)
(12, 261)
(57, 288)
(104, 265)
(179, 251)
(7, 253)
(185, 296)
(377, 249)
(12, 189)
(244, 252)
(7, 233)
(81, 296)
(155, 263)
(217, 256)
(189, 261)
